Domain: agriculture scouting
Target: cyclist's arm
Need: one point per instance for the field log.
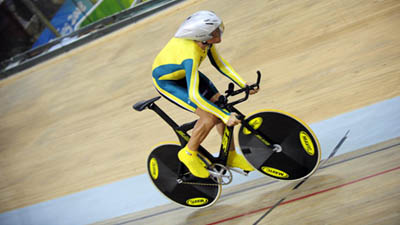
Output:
(224, 67)
(192, 78)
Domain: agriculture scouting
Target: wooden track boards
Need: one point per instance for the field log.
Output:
(360, 187)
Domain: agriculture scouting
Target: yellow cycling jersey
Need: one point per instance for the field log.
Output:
(181, 58)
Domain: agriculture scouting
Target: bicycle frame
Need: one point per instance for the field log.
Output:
(183, 136)
(227, 137)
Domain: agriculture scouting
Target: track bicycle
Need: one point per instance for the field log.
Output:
(275, 143)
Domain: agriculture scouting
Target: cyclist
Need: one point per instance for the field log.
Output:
(176, 77)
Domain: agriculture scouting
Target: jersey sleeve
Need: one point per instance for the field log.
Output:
(224, 67)
(193, 80)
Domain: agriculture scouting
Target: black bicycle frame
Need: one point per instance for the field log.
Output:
(183, 136)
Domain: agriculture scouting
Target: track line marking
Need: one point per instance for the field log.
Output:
(261, 185)
(307, 196)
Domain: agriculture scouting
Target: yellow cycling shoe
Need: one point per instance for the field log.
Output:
(238, 161)
(193, 163)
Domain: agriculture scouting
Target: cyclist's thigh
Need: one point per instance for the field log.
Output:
(176, 92)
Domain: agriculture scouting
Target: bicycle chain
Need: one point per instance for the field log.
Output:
(195, 183)
(201, 184)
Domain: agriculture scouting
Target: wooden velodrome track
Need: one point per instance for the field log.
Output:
(347, 190)
(67, 125)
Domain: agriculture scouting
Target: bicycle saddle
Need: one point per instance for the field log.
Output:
(139, 106)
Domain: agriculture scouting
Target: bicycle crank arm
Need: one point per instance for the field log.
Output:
(239, 171)
(220, 174)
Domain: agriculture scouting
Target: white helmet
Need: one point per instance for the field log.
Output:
(199, 26)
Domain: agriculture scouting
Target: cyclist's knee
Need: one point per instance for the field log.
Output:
(208, 119)
(211, 121)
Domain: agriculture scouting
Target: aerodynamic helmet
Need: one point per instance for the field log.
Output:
(199, 26)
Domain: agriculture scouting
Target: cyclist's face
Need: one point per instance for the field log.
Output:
(216, 37)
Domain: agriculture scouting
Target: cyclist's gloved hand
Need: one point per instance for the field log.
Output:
(253, 90)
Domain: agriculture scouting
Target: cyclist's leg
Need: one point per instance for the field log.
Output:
(202, 128)
(234, 159)
(214, 96)
(206, 120)
(188, 155)
(176, 92)
(211, 93)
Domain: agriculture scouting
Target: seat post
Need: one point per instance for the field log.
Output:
(163, 115)
(181, 134)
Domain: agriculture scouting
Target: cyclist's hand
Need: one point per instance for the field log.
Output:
(233, 120)
(254, 90)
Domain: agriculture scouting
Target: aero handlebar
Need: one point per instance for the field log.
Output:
(223, 100)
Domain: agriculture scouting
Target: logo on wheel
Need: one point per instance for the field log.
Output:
(197, 201)
(274, 172)
(154, 168)
(254, 123)
(306, 142)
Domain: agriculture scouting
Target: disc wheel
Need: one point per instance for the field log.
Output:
(296, 153)
(163, 166)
